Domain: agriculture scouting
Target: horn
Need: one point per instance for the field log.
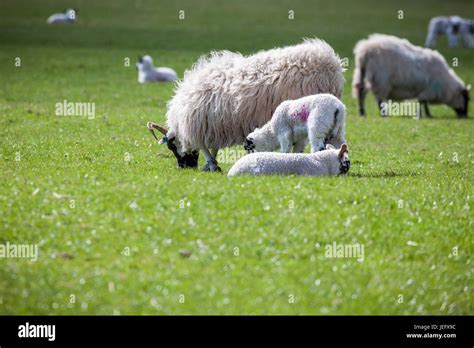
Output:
(161, 129)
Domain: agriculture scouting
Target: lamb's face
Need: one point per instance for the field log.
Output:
(144, 63)
(460, 102)
(255, 141)
(70, 13)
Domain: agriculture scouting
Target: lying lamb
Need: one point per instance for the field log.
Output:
(68, 16)
(395, 69)
(320, 117)
(327, 162)
(148, 73)
(453, 27)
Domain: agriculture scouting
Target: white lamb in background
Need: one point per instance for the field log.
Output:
(395, 69)
(148, 73)
(321, 118)
(328, 162)
(68, 16)
(453, 27)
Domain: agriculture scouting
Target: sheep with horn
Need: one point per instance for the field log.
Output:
(226, 95)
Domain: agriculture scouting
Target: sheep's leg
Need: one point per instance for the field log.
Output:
(361, 96)
(427, 110)
(211, 163)
(452, 39)
(300, 146)
(431, 39)
(285, 141)
(425, 107)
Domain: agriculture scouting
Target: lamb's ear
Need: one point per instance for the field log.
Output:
(330, 147)
(468, 87)
(343, 150)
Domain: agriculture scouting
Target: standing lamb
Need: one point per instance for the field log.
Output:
(320, 117)
(148, 73)
(225, 96)
(395, 69)
(327, 162)
(453, 27)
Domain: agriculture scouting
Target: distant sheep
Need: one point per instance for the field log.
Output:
(320, 117)
(148, 73)
(68, 16)
(395, 69)
(227, 95)
(453, 27)
(327, 162)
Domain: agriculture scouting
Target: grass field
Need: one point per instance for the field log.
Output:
(110, 211)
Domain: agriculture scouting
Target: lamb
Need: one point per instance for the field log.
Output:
(395, 69)
(68, 16)
(327, 162)
(320, 117)
(226, 95)
(148, 73)
(453, 27)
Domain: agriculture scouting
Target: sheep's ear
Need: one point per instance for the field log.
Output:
(468, 87)
(343, 150)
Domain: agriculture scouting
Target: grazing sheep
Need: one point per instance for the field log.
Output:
(225, 96)
(68, 16)
(395, 69)
(148, 73)
(320, 117)
(327, 162)
(453, 27)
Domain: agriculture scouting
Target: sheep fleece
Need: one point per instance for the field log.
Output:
(227, 95)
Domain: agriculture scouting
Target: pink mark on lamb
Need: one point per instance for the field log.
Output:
(301, 114)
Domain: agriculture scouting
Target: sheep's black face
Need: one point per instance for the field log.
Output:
(462, 111)
(249, 145)
(186, 160)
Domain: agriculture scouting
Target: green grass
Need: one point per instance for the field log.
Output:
(405, 184)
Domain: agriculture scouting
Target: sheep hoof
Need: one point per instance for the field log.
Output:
(211, 167)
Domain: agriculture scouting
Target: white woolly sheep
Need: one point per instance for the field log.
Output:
(320, 117)
(453, 27)
(225, 96)
(395, 69)
(327, 162)
(68, 16)
(148, 73)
